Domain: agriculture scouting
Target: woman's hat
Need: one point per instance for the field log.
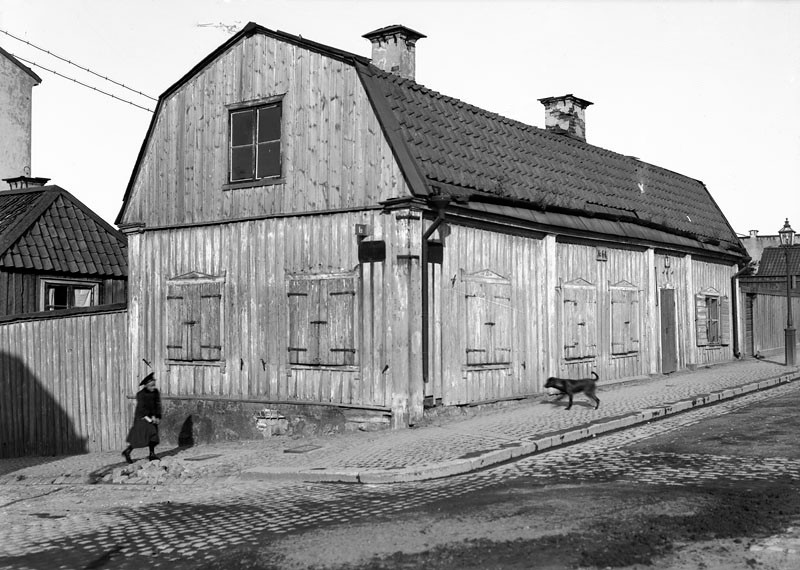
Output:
(147, 379)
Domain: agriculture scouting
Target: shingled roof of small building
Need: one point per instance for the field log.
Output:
(773, 262)
(47, 229)
(500, 166)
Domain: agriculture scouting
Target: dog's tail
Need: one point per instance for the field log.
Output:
(596, 377)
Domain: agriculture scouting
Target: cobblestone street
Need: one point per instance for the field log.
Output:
(94, 526)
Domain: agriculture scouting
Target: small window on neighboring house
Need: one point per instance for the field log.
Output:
(488, 318)
(68, 294)
(255, 143)
(194, 319)
(624, 318)
(321, 320)
(579, 319)
(712, 319)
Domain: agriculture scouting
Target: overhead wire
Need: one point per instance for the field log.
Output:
(83, 84)
(76, 65)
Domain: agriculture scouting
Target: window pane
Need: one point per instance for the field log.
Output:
(242, 163)
(56, 297)
(242, 127)
(269, 124)
(82, 297)
(269, 159)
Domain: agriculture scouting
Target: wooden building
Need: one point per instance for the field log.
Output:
(55, 253)
(314, 235)
(763, 301)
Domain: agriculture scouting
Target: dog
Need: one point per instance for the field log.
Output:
(569, 387)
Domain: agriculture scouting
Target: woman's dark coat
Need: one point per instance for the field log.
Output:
(144, 433)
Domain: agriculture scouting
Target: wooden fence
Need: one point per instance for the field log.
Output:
(765, 323)
(63, 382)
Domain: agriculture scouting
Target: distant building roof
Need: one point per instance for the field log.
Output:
(48, 229)
(773, 262)
(21, 65)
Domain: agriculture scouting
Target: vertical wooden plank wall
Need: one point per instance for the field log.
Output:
(469, 250)
(769, 322)
(715, 276)
(255, 258)
(63, 385)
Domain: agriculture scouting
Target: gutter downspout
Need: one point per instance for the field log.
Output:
(439, 202)
(735, 309)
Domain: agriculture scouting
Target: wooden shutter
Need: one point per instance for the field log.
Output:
(633, 330)
(620, 321)
(300, 350)
(500, 329)
(579, 321)
(177, 339)
(475, 298)
(701, 319)
(210, 324)
(725, 321)
(341, 294)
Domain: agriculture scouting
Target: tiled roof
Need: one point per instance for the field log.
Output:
(773, 262)
(47, 229)
(471, 152)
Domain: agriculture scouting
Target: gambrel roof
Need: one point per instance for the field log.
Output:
(505, 169)
(46, 229)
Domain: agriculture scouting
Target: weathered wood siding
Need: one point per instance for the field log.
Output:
(707, 276)
(605, 270)
(512, 263)
(334, 153)
(255, 261)
(769, 323)
(63, 385)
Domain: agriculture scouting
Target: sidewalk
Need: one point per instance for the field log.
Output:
(446, 445)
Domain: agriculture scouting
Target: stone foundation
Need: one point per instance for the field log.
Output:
(191, 421)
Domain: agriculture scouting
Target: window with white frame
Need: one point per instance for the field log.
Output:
(68, 294)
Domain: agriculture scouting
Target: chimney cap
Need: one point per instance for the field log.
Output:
(577, 100)
(412, 35)
(19, 182)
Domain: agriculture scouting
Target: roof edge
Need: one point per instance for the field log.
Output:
(21, 65)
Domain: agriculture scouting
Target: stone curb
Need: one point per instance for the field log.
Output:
(525, 448)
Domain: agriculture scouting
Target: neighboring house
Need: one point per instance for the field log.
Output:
(55, 253)
(764, 301)
(16, 88)
(756, 244)
(310, 229)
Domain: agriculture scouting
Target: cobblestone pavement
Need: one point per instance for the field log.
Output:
(183, 526)
(446, 445)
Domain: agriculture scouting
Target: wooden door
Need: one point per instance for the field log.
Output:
(669, 353)
(749, 349)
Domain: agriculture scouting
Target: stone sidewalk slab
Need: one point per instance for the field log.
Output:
(462, 440)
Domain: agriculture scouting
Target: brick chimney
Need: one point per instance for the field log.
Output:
(566, 115)
(393, 49)
(22, 182)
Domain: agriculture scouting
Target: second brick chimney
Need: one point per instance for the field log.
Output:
(565, 115)
(393, 49)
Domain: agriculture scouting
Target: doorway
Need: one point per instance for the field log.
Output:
(669, 351)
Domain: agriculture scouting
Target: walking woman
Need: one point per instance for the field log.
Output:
(144, 432)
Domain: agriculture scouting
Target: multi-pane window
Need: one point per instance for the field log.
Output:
(712, 319)
(194, 320)
(64, 294)
(321, 320)
(488, 317)
(624, 319)
(255, 143)
(579, 319)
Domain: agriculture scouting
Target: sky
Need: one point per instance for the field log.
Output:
(709, 89)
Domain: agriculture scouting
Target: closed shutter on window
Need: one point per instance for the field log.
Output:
(624, 321)
(208, 336)
(341, 296)
(177, 339)
(500, 309)
(579, 321)
(299, 317)
(475, 297)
